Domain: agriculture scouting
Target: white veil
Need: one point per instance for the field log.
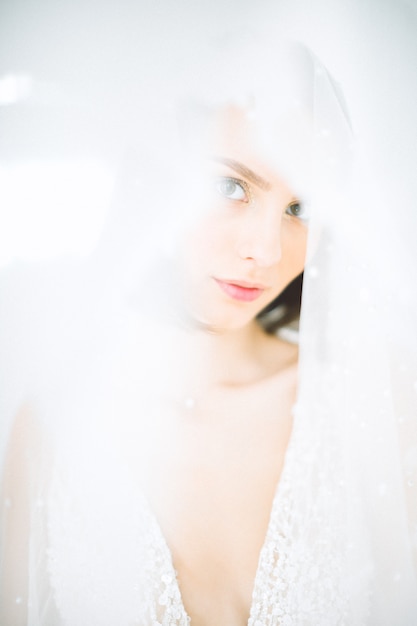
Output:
(358, 344)
(353, 536)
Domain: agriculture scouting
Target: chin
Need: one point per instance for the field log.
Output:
(220, 322)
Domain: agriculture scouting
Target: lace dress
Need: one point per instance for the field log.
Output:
(110, 564)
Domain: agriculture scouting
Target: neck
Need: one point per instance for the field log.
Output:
(223, 357)
(192, 360)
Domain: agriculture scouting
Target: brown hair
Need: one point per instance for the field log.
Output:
(285, 309)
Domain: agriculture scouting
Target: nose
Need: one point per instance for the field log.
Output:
(259, 239)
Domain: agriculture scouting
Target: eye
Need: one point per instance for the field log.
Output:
(296, 209)
(232, 189)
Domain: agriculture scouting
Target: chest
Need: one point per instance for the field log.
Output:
(112, 558)
(213, 473)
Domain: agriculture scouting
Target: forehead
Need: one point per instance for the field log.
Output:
(278, 146)
(257, 103)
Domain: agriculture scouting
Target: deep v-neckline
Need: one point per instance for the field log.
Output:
(169, 574)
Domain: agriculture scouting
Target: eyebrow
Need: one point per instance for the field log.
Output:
(245, 172)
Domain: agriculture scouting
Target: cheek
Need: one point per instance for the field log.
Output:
(294, 247)
(207, 242)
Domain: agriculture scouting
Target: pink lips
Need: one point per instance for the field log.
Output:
(241, 290)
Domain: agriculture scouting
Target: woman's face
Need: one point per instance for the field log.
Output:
(250, 242)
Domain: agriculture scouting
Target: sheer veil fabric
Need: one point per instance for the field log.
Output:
(342, 545)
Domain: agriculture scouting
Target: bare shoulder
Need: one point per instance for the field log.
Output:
(28, 454)
(21, 476)
(27, 444)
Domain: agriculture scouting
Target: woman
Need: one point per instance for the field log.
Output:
(174, 483)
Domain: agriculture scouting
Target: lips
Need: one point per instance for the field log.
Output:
(241, 290)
